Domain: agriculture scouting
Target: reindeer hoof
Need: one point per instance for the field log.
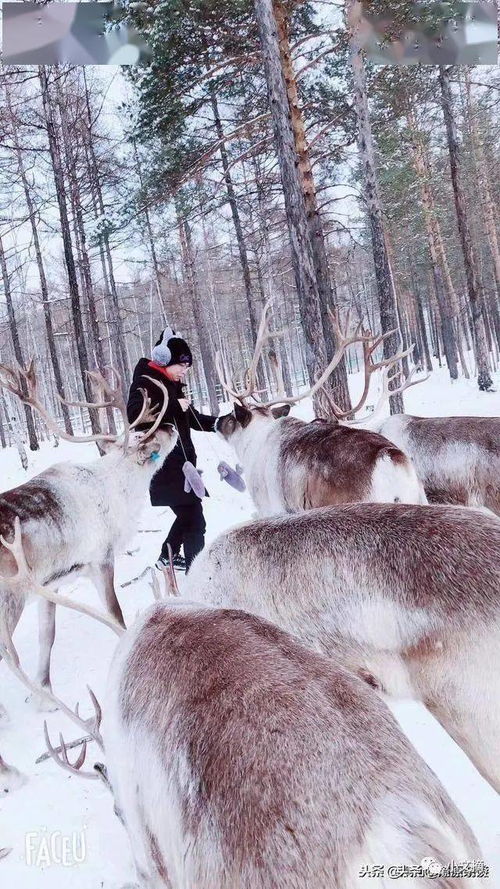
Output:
(11, 779)
(4, 716)
(40, 703)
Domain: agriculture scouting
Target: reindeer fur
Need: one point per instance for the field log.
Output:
(457, 458)
(406, 596)
(239, 759)
(291, 466)
(74, 518)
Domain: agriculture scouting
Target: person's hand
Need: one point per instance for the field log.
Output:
(184, 403)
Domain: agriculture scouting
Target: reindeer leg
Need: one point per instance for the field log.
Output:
(46, 636)
(10, 778)
(13, 606)
(103, 577)
(465, 701)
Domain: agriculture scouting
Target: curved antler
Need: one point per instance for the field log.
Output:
(250, 382)
(22, 383)
(25, 575)
(370, 342)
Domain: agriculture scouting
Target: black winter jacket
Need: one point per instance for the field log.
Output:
(167, 487)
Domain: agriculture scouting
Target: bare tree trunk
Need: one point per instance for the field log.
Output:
(415, 334)
(76, 307)
(436, 249)
(383, 276)
(113, 308)
(267, 272)
(436, 239)
(421, 319)
(473, 286)
(18, 354)
(15, 435)
(198, 312)
(300, 240)
(434, 328)
(44, 290)
(231, 195)
(3, 440)
(487, 204)
(337, 384)
(69, 148)
(400, 302)
(152, 249)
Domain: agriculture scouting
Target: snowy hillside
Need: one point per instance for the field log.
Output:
(57, 805)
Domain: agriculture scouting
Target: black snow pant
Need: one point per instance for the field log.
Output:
(188, 530)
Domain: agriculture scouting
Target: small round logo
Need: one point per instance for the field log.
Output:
(431, 866)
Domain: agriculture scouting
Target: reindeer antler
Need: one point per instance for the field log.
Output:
(147, 415)
(22, 383)
(11, 657)
(344, 339)
(8, 651)
(170, 579)
(250, 385)
(370, 344)
(24, 575)
(60, 754)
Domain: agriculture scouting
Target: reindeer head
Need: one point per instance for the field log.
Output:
(152, 450)
(242, 416)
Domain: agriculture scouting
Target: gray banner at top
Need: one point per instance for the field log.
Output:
(436, 33)
(78, 33)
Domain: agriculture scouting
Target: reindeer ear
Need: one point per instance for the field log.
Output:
(279, 412)
(242, 414)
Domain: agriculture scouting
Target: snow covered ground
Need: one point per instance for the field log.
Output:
(57, 815)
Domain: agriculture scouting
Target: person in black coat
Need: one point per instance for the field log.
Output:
(170, 362)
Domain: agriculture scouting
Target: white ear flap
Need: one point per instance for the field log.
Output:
(161, 354)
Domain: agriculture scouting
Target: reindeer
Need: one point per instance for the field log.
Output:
(291, 465)
(75, 516)
(406, 596)
(240, 759)
(457, 458)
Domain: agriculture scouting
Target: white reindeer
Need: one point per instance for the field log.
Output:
(75, 516)
(240, 759)
(457, 458)
(291, 465)
(406, 596)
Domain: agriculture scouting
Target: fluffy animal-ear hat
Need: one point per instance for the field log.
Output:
(171, 349)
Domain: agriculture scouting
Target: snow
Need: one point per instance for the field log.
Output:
(65, 809)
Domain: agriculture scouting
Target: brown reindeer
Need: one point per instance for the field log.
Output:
(406, 596)
(75, 516)
(291, 465)
(240, 759)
